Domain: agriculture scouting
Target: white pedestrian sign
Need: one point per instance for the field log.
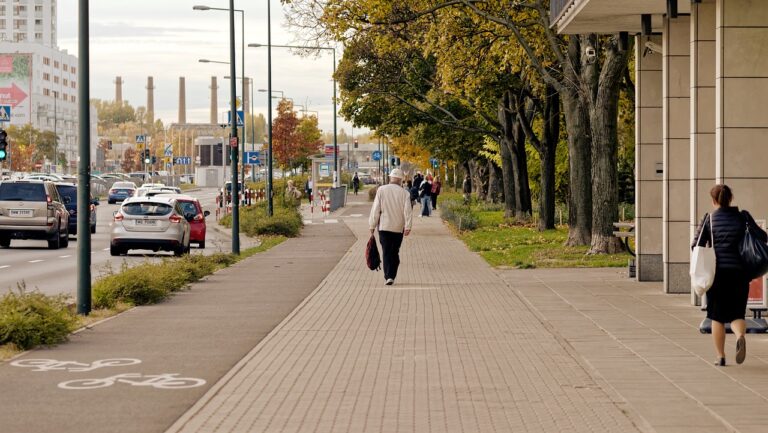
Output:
(140, 139)
(5, 113)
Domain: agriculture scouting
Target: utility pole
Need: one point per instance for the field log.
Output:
(233, 145)
(84, 167)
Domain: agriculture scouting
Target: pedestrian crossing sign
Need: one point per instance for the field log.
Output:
(5, 113)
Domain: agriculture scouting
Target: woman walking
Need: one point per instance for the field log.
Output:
(727, 298)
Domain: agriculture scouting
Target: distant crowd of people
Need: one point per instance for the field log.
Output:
(424, 190)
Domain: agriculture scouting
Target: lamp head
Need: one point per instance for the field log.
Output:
(204, 61)
(201, 8)
(255, 45)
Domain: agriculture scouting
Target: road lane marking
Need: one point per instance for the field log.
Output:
(105, 249)
(36, 261)
(64, 257)
(331, 221)
(5, 266)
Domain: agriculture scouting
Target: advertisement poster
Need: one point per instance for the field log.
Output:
(16, 86)
(758, 289)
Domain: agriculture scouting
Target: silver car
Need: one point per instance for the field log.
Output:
(149, 223)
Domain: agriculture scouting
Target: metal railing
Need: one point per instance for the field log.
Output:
(556, 9)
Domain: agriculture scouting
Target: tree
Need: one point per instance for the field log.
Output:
(112, 113)
(30, 147)
(285, 143)
(308, 140)
(130, 160)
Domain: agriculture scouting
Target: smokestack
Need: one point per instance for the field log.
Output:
(182, 101)
(119, 90)
(150, 101)
(246, 97)
(214, 101)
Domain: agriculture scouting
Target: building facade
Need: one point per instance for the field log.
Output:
(31, 21)
(701, 78)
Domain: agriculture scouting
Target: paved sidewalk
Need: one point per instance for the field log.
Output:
(449, 348)
(198, 335)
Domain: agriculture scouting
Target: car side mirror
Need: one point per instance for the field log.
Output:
(189, 218)
(206, 213)
(95, 202)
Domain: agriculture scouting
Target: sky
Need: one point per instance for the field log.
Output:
(166, 38)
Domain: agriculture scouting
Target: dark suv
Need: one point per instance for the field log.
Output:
(68, 193)
(33, 210)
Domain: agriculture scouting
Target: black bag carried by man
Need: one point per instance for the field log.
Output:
(753, 249)
(372, 257)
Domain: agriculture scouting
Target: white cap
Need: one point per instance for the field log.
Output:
(396, 172)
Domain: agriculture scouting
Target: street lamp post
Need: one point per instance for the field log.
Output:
(84, 167)
(242, 70)
(301, 47)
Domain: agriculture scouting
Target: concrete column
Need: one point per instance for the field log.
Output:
(702, 110)
(182, 101)
(677, 151)
(150, 101)
(648, 160)
(741, 89)
(214, 101)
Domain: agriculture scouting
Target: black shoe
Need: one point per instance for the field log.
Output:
(720, 362)
(741, 349)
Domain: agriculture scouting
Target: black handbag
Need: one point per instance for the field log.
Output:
(753, 249)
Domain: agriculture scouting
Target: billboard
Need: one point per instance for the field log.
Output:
(16, 86)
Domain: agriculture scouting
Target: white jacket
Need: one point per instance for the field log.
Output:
(391, 211)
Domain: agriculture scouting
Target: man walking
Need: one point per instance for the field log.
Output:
(356, 183)
(391, 213)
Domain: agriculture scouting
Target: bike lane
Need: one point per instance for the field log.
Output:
(140, 371)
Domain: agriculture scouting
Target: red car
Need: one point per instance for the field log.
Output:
(193, 212)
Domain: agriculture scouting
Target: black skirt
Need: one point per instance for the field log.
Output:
(727, 298)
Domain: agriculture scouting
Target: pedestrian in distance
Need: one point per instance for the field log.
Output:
(356, 183)
(308, 189)
(391, 214)
(425, 196)
(466, 189)
(436, 186)
(727, 298)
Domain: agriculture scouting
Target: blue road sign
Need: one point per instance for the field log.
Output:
(182, 160)
(253, 158)
(376, 155)
(140, 139)
(5, 113)
(434, 161)
(240, 117)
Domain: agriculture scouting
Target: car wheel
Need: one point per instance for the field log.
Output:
(201, 245)
(5, 242)
(179, 251)
(93, 229)
(55, 243)
(65, 240)
(115, 251)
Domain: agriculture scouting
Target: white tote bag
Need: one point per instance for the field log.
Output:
(703, 263)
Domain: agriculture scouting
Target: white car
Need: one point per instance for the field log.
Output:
(149, 223)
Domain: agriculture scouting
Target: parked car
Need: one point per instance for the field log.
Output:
(42, 176)
(162, 190)
(68, 193)
(121, 191)
(33, 209)
(116, 176)
(155, 223)
(194, 214)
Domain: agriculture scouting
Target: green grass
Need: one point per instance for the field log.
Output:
(506, 244)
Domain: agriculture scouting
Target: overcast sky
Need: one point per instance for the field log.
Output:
(165, 39)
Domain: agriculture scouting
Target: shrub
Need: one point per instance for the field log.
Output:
(459, 215)
(285, 220)
(372, 192)
(29, 319)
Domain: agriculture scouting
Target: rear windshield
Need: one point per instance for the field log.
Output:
(188, 208)
(22, 192)
(147, 209)
(67, 192)
(122, 185)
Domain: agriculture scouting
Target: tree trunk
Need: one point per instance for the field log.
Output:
(507, 167)
(547, 154)
(479, 178)
(603, 110)
(580, 171)
(495, 181)
(524, 207)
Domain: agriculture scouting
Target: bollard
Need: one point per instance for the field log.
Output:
(632, 268)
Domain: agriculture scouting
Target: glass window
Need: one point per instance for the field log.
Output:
(22, 192)
(67, 193)
(146, 209)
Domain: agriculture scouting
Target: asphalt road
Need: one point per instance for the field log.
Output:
(55, 271)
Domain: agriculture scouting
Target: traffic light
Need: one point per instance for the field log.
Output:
(154, 159)
(145, 156)
(109, 144)
(355, 143)
(3, 145)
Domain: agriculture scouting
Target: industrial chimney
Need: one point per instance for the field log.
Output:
(182, 101)
(119, 90)
(214, 101)
(150, 101)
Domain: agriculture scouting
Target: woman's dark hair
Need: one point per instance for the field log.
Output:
(722, 195)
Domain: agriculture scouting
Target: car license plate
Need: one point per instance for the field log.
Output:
(27, 213)
(146, 222)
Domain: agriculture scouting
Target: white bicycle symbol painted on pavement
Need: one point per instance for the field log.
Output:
(160, 381)
(73, 366)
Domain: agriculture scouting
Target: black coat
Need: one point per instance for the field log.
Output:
(729, 225)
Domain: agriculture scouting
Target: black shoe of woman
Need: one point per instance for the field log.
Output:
(720, 362)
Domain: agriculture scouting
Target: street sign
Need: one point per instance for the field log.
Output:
(182, 160)
(5, 113)
(434, 161)
(140, 139)
(240, 117)
(252, 158)
(168, 152)
(233, 142)
(376, 155)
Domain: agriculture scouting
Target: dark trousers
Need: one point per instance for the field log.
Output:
(434, 201)
(390, 252)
